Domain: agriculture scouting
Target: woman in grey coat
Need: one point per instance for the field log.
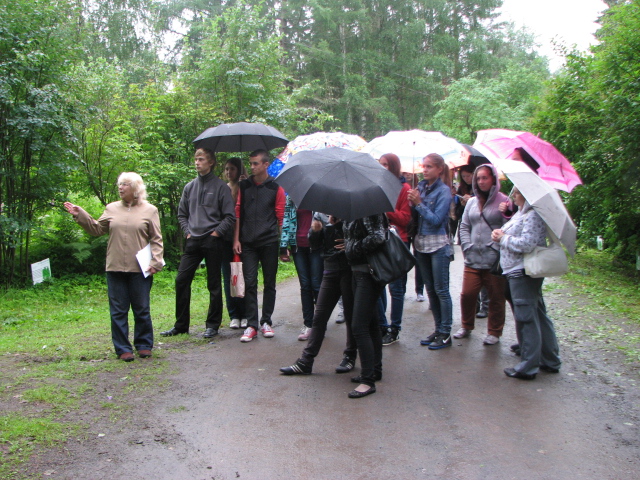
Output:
(480, 218)
(536, 334)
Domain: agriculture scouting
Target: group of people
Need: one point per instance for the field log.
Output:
(250, 219)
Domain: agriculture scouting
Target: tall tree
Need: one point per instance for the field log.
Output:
(591, 114)
(38, 43)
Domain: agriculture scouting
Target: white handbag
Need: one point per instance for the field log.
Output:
(548, 261)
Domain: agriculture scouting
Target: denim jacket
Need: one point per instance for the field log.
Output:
(434, 210)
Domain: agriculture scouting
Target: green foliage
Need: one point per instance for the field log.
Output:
(38, 43)
(474, 103)
(591, 114)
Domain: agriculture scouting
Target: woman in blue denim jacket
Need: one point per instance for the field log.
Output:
(431, 200)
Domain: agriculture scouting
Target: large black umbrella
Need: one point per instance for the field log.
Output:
(339, 182)
(240, 137)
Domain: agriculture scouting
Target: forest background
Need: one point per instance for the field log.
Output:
(90, 89)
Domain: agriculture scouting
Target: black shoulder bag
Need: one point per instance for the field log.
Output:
(392, 260)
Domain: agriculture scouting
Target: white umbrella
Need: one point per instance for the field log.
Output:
(544, 199)
(412, 146)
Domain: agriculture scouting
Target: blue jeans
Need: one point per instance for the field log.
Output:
(434, 268)
(267, 257)
(418, 278)
(309, 267)
(364, 325)
(397, 290)
(235, 305)
(130, 290)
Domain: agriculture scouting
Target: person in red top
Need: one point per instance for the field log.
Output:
(399, 219)
(259, 213)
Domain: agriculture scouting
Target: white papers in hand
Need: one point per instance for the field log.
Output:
(144, 259)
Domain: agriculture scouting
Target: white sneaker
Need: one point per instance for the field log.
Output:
(244, 323)
(235, 323)
(491, 340)
(462, 333)
(267, 331)
(420, 297)
(304, 334)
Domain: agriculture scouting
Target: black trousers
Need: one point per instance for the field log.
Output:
(253, 257)
(335, 284)
(364, 325)
(208, 248)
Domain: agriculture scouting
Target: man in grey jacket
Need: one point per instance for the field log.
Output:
(206, 215)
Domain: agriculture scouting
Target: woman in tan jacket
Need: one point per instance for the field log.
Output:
(132, 224)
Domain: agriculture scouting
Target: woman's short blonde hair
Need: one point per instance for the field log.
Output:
(137, 184)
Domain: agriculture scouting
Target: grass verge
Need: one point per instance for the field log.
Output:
(58, 371)
(612, 315)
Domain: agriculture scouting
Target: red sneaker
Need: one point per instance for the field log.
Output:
(249, 334)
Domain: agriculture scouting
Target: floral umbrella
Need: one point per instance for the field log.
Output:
(316, 141)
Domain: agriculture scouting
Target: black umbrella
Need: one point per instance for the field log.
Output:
(240, 137)
(475, 157)
(339, 182)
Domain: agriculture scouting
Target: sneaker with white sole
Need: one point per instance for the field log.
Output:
(249, 334)
(420, 297)
(244, 323)
(304, 334)
(443, 340)
(491, 340)
(235, 323)
(267, 331)
(462, 333)
(346, 365)
(297, 368)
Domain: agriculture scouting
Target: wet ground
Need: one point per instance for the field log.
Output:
(452, 413)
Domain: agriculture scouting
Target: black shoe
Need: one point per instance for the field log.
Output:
(443, 340)
(513, 373)
(376, 376)
(172, 332)
(429, 340)
(548, 369)
(482, 314)
(210, 333)
(357, 394)
(392, 336)
(297, 368)
(346, 365)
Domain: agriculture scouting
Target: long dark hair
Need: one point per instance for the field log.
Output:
(236, 162)
(394, 163)
(465, 188)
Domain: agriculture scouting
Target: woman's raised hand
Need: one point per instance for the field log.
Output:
(72, 209)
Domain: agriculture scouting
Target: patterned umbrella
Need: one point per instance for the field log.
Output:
(316, 141)
(547, 161)
(413, 145)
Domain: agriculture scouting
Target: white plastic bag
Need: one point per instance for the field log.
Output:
(237, 278)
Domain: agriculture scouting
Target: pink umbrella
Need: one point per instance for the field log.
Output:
(553, 167)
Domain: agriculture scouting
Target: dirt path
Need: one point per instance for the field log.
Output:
(229, 414)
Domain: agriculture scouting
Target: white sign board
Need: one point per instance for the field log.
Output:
(41, 271)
